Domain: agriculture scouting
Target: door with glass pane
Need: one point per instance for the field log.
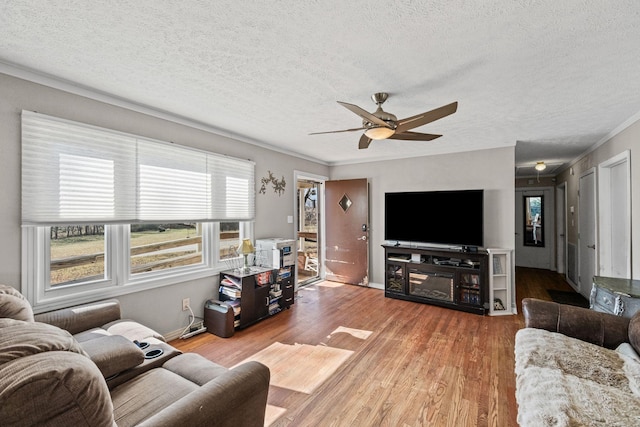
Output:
(308, 194)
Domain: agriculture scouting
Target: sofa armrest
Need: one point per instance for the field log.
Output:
(235, 398)
(82, 317)
(113, 354)
(603, 329)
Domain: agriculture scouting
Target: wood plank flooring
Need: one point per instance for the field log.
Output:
(421, 365)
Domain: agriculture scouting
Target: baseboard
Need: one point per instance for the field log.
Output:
(193, 333)
(376, 285)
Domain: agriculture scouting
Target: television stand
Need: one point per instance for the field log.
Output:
(444, 277)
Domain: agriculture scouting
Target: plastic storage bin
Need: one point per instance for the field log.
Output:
(218, 318)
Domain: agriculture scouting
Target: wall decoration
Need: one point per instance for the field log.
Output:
(278, 186)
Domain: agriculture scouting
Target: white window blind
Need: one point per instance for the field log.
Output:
(74, 173)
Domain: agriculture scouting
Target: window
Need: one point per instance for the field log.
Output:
(76, 254)
(106, 213)
(155, 247)
(229, 240)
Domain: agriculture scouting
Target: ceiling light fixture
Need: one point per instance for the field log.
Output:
(540, 166)
(379, 132)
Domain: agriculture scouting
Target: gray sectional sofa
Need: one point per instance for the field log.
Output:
(86, 366)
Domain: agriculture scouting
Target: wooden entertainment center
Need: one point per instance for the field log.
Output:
(444, 277)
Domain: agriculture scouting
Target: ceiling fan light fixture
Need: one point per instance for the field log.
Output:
(540, 166)
(379, 132)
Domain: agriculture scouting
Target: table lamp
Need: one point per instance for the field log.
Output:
(247, 248)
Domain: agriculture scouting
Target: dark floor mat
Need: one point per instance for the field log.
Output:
(568, 297)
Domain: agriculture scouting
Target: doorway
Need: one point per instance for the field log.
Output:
(614, 209)
(309, 200)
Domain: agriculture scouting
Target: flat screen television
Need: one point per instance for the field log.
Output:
(450, 218)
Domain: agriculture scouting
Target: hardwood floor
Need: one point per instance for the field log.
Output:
(421, 365)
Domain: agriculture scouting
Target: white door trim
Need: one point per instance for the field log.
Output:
(300, 175)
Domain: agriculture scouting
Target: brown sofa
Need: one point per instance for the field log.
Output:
(576, 367)
(86, 365)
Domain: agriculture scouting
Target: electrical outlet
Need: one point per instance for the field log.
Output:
(186, 302)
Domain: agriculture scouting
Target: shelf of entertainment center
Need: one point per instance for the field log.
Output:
(445, 277)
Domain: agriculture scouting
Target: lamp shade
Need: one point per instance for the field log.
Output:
(247, 247)
(380, 132)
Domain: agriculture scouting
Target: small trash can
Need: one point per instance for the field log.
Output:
(218, 318)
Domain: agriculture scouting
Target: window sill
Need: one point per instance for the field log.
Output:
(146, 284)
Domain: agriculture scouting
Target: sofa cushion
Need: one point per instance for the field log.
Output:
(195, 368)
(91, 334)
(19, 339)
(113, 354)
(14, 305)
(147, 394)
(627, 349)
(54, 388)
(634, 332)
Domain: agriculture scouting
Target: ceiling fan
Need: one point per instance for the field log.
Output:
(383, 125)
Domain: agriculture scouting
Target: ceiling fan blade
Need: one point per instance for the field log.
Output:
(426, 117)
(414, 136)
(364, 142)
(364, 114)
(338, 131)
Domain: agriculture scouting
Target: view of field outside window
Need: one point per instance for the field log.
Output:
(229, 239)
(162, 246)
(77, 252)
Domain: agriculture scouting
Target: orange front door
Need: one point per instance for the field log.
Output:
(347, 234)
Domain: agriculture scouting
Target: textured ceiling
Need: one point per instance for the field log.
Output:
(551, 77)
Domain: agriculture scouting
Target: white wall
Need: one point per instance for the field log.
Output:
(491, 170)
(160, 308)
(627, 139)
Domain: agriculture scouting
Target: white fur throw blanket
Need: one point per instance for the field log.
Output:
(562, 381)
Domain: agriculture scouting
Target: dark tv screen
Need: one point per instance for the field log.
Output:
(441, 217)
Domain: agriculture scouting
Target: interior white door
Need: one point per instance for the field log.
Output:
(561, 226)
(586, 231)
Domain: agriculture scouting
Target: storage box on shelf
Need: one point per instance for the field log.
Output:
(449, 278)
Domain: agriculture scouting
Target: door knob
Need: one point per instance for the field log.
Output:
(591, 246)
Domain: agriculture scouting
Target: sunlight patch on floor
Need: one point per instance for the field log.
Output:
(328, 284)
(356, 333)
(272, 413)
(300, 367)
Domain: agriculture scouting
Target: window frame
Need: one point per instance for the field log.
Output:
(119, 280)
